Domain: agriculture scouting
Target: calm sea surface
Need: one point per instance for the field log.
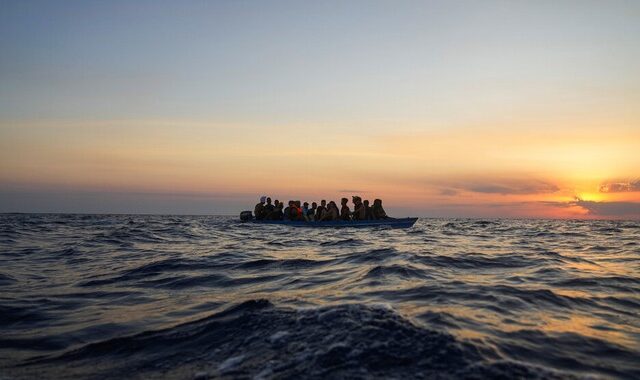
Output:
(92, 296)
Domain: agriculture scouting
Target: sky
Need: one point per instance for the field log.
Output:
(440, 108)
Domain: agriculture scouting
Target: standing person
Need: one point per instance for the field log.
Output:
(268, 209)
(377, 210)
(359, 212)
(321, 210)
(331, 213)
(258, 211)
(313, 211)
(367, 210)
(345, 213)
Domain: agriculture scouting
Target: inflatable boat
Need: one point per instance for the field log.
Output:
(389, 222)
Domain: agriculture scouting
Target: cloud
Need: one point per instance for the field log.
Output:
(620, 186)
(607, 209)
(510, 186)
(610, 208)
(449, 192)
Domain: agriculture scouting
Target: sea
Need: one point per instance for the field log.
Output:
(197, 297)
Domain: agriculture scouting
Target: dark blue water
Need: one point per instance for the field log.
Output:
(85, 296)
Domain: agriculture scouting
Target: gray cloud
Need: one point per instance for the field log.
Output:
(351, 191)
(620, 186)
(512, 186)
(448, 192)
(610, 208)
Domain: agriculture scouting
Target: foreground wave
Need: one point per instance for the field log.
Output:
(258, 340)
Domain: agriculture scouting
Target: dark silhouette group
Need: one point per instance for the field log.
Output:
(296, 211)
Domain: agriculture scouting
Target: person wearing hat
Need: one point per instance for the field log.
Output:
(258, 211)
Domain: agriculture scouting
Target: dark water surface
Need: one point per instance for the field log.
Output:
(194, 297)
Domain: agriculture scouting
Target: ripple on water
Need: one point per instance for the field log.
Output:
(175, 297)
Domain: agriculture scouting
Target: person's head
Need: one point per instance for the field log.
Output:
(344, 201)
(268, 200)
(314, 205)
(332, 204)
(263, 199)
(298, 204)
(377, 202)
(323, 203)
(366, 202)
(305, 205)
(356, 199)
(276, 203)
(291, 203)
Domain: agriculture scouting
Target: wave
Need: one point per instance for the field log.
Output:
(107, 296)
(257, 339)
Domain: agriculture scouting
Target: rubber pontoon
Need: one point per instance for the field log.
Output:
(390, 222)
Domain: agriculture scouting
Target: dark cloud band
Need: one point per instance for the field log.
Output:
(620, 187)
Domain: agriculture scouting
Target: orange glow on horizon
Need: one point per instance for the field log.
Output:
(474, 171)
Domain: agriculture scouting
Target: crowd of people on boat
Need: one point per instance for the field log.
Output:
(297, 211)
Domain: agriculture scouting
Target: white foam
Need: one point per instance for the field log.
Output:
(230, 363)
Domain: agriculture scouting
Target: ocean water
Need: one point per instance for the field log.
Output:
(94, 296)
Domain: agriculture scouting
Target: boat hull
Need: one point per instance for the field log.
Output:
(391, 222)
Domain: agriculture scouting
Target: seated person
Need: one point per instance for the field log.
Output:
(359, 212)
(345, 213)
(367, 210)
(268, 209)
(312, 211)
(331, 213)
(300, 214)
(258, 211)
(277, 211)
(377, 211)
(307, 213)
(287, 211)
(321, 210)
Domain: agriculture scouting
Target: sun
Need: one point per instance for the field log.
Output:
(592, 197)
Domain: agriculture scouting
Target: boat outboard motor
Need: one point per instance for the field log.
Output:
(246, 216)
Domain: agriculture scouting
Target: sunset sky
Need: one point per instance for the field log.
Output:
(440, 108)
